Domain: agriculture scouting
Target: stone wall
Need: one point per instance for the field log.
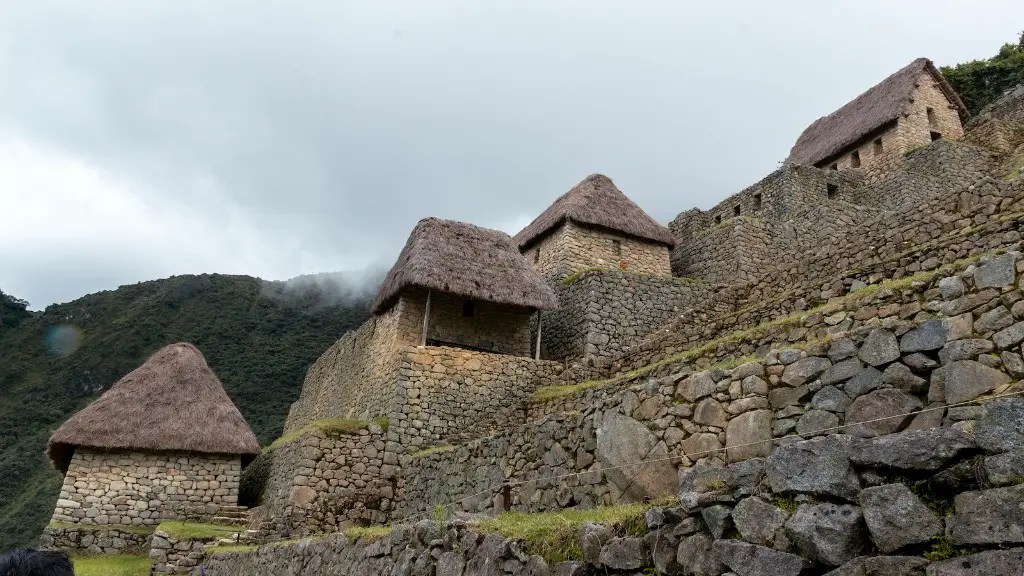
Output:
(963, 342)
(133, 488)
(601, 312)
(491, 327)
(174, 555)
(449, 394)
(572, 247)
(96, 539)
(354, 377)
(326, 480)
(941, 501)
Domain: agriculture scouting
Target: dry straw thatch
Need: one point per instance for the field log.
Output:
(596, 201)
(879, 106)
(173, 402)
(468, 261)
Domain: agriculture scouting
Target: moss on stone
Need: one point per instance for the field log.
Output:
(197, 530)
(432, 450)
(575, 276)
(332, 427)
(367, 533)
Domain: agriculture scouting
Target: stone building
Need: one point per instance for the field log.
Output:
(909, 109)
(594, 225)
(164, 442)
(459, 285)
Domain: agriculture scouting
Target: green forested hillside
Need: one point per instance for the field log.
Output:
(981, 82)
(258, 337)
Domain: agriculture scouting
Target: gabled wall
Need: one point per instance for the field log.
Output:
(572, 247)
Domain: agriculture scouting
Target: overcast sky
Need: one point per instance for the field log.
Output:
(141, 139)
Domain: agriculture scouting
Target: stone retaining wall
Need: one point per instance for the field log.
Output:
(572, 247)
(172, 555)
(932, 502)
(135, 488)
(325, 480)
(96, 539)
(963, 342)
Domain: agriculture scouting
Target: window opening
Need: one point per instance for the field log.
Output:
(736, 210)
(936, 136)
(834, 166)
(931, 117)
(757, 201)
(467, 308)
(536, 256)
(855, 159)
(718, 220)
(617, 247)
(878, 146)
(831, 190)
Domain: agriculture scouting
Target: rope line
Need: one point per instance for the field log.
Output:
(513, 483)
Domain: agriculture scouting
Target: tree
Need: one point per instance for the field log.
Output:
(980, 82)
(12, 309)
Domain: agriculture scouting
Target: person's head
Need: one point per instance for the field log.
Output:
(36, 563)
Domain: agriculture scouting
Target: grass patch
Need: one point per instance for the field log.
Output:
(556, 535)
(432, 450)
(196, 530)
(111, 565)
(331, 427)
(234, 548)
(367, 533)
(572, 278)
(143, 530)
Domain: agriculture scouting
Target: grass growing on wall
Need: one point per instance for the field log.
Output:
(196, 530)
(111, 565)
(142, 530)
(556, 535)
(367, 533)
(330, 427)
(432, 450)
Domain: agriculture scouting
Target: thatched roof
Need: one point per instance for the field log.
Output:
(880, 105)
(173, 402)
(468, 261)
(596, 201)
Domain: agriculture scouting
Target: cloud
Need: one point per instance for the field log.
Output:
(287, 138)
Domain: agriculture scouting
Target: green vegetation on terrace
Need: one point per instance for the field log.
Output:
(111, 565)
(549, 393)
(556, 535)
(332, 427)
(432, 450)
(981, 82)
(197, 530)
(258, 337)
(144, 530)
(367, 533)
(571, 279)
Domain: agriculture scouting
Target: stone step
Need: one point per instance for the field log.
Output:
(225, 521)
(234, 509)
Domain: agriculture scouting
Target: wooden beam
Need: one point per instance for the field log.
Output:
(426, 320)
(540, 316)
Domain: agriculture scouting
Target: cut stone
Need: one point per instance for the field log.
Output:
(820, 466)
(965, 380)
(745, 430)
(803, 371)
(996, 273)
(1001, 427)
(757, 521)
(829, 533)
(880, 347)
(869, 379)
(817, 422)
(830, 398)
(880, 412)
(993, 516)
(929, 449)
(928, 336)
(897, 518)
(841, 371)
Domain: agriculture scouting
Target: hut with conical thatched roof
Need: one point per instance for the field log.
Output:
(910, 108)
(460, 285)
(164, 442)
(594, 225)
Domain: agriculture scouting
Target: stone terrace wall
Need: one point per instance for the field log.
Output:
(447, 394)
(601, 311)
(324, 481)
(134, 488)
(1000, 126)
(354, 377)
(887, 368)
(96, 540)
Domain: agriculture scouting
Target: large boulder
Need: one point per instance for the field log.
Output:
(697, 556)
(1001, 427)
(749, 435)
(829, 533)
(757, 520)
(881, 412)
(997, 272)
(880, 347)
(625, 553)
(993, 516)
(820, 466)
(991, 563)
(623, 443)
(897, 518)
(929, 449)
(752, 560)
(930, 335)
(803, 371)
(965, 380)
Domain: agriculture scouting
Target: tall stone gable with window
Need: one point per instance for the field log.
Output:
(873, 132)
(594, 225)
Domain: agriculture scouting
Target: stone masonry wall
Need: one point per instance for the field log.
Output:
(446, 394)
(600, 312)
(572, 247)
(354, 377)
(324, 481)
(497, 328)
(134, 488)
(963, 343)
(107, 539)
